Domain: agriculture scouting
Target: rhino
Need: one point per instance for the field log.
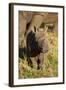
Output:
(37, 46)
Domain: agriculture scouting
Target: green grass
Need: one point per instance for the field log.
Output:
(50, 61)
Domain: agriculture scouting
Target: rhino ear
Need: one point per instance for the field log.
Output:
(34, 29)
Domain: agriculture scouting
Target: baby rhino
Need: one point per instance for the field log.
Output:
(37, 46)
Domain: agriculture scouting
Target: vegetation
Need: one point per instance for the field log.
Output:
(50, 61)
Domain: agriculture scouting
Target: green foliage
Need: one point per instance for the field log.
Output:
(50, 61)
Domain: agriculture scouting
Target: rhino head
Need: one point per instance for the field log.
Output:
(40, 36)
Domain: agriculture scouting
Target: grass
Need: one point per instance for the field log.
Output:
(50, 61)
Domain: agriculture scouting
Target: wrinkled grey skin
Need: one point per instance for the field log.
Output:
(37, 46)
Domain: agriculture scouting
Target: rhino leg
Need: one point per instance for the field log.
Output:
(34, 62)
(41, 58)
